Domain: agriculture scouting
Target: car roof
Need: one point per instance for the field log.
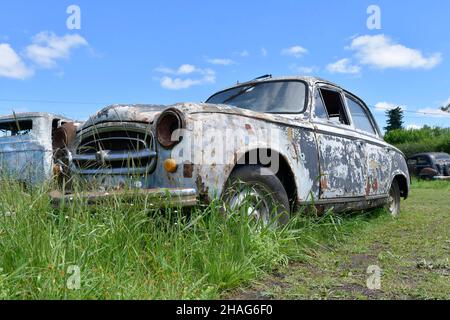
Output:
(309, 79)
(430, 154)
(25, 115)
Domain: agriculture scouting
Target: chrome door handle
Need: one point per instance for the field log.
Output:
(360, 143)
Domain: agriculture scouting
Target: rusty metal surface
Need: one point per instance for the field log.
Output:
(328, 162)
(155, 197)
(29, 157)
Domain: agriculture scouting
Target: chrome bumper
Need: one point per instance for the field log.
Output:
(155, 197)
(441, 178)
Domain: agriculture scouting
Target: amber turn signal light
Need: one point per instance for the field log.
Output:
(170, 165)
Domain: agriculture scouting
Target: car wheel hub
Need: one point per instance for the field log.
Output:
(255, 203)
(392, 205)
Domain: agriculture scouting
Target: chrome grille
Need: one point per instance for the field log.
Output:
(113, 149)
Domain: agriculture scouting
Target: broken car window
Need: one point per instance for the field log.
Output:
(360, 118)
(320, 111)
(269, 97)
(334, 105)
(15, 128)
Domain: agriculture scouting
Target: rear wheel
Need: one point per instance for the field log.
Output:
(393, 205)
(260, 192)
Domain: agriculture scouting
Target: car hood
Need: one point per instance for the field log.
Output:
(148, 113)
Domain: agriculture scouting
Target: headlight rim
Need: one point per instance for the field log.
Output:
(164, 137)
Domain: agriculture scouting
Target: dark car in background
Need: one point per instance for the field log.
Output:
(432, 165)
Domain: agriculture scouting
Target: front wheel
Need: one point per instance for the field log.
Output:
(260, 192)
(393, 205)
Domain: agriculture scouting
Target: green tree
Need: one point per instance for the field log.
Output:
(395, 119)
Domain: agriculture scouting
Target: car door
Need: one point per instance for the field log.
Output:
(341, 153)
(23, 150)
(378, 154)
(423, 161)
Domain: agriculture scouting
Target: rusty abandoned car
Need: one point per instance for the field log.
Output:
(291, 141)
(432, 165)
(33, 146)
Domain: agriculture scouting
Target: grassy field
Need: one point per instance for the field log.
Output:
(123, 251)
(413, 253)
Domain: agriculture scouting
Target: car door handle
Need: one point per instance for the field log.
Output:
(360, 143)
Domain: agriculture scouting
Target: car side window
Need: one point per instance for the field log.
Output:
(360, 117)
(422, 161)
(334, 106)
(320, 111)
(16, 128)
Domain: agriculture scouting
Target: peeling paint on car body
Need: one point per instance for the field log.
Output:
(330, 164)
(29, 157)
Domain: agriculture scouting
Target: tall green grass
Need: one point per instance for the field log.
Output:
(128, 251)
(434, 184)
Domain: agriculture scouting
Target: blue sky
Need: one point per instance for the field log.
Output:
(173, 51)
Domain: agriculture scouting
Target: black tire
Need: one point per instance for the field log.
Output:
(263, 181)
(393, 205)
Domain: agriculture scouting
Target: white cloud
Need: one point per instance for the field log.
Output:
(47, 48)
(184, 69)
(173, 80)
(11, 65)
(295, 51)
(384, 106)
(177, 83)
(221, 62)
(433, 113)
(304, 69)
(343, 66)
(381, 52)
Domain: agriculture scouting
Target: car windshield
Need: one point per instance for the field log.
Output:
(269, 97)
(443, 157)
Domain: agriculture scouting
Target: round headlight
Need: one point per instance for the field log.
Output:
(168, 122)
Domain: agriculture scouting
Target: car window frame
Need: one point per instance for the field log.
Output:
(306, 103)
(367, 113)
(302, 111)
(18, 120)
(314, 106)
(328, 121)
